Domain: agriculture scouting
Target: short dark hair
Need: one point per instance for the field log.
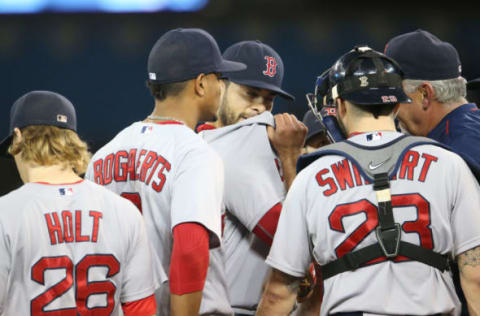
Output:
(161, 91)
(378, 109)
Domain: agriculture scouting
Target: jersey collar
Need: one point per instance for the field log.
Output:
(443, 128)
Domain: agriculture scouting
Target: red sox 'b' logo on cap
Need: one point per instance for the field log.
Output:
(271, 66)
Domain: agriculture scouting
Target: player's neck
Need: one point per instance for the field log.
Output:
(382, 123)
(177, 109)
(55, 174)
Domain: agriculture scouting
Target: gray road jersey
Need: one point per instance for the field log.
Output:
(55, 237)
(330, 210)
(253, 185)
(174, 177)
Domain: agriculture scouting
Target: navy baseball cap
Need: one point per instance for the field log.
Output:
(264, 67)
(183, 54)
(314, 125)
(40, 108)
(422, 56)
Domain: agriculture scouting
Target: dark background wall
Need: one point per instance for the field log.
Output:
(99, 60)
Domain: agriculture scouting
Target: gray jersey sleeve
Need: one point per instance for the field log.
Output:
(253, 184)
(290, 250)
(465, 217)
(198, 191)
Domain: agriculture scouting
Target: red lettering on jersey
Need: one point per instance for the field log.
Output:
(137, 168)
(358, 178)
(342, 173)
(123, 166)
(147, 164)
(159, 186)
(131, 164)
(54, 228)
(426, 166)
(322, 182)
(107, 169)
(421, 225)
(271, 66)
(98, 172)
(78, 228)
(96, 220)
(117, 175)
(159, 159)
(344, 210)
(409, 163)
(67, 226)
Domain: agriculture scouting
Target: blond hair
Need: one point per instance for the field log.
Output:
(45, 145)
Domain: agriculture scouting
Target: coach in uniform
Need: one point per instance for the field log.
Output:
(58, 231)
(172, 175)
(439, 110)
(434, 83)
(380, 213)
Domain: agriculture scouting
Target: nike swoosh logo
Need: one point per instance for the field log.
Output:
(372, 166)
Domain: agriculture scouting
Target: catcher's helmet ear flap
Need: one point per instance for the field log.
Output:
(320, 98)
(364, 76)
(324, 108)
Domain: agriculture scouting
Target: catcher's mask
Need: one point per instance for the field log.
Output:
(362, 76)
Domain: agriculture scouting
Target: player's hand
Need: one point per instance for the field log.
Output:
(288, 136)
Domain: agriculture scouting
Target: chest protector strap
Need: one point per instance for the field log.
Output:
(388, 233)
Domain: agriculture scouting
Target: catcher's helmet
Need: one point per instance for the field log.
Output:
(362, 76)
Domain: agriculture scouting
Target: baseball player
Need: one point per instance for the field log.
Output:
(67, 245)
(317, 134)
(256, 176)
(172, 175)
(381, 213)
(439, 110)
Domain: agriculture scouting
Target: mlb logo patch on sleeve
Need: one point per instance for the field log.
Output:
(65, 191)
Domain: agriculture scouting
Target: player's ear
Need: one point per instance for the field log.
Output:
(17, 135)
(428, 94)
(200, 84)
(341, 107)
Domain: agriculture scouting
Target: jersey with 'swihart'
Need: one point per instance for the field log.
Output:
(55, 240)
(331, 211)
(253, 185)
(173, 177)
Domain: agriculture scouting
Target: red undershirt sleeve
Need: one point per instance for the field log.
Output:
(267, 226)
(143, 307)
(190, 258)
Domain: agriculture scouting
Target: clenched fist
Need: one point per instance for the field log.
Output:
(288, 136)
